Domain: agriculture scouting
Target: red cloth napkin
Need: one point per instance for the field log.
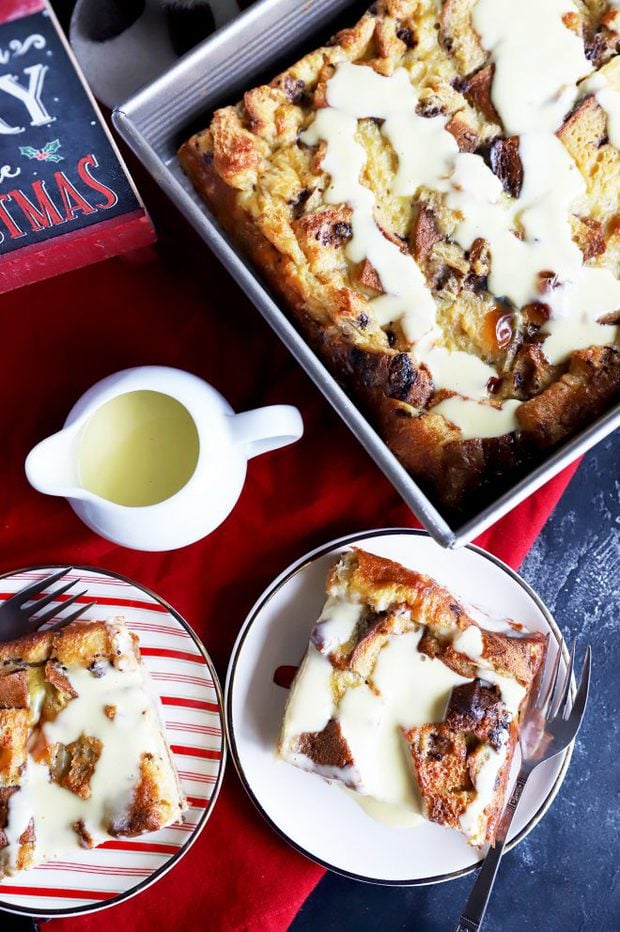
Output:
(62, 335)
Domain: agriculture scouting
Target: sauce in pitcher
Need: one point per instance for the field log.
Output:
(138, 449)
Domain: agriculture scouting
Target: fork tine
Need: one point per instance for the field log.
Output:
(28, 592)
(535, 700)
(560, 701)
(50, 597)
(73, 616)
(55, 610)
(578, 708)
(553, 681)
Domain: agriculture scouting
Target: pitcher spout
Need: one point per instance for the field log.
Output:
(51, 466)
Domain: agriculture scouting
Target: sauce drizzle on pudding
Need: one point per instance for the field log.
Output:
(526, 235)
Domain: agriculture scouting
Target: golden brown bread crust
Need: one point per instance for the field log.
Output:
(264, 187)
(439, 755)
(382, 583)
(14, 690)
(79, 643)
(53, 673)
(575, 399)
(327, 748)
(152, 803)
(14, 731)
(519, 658)
(73, 765)
(445, 769)
(399, 599)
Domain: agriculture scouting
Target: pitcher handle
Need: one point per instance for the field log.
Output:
(265, 429)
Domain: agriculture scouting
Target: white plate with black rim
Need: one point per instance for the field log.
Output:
(316, 817)
(185, 680)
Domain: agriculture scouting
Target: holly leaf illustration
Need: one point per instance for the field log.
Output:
(50, 151)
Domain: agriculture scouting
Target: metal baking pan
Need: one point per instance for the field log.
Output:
(254, 47)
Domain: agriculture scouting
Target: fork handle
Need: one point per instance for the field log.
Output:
(478, 900)
(17, 923)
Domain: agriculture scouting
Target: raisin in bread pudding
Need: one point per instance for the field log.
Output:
(436, 195)
(83, 757)
(405, 699)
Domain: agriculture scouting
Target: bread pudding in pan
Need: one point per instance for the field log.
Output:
(436, 195)
(83, 757)
(407, 700)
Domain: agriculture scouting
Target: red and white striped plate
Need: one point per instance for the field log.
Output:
(189, 691)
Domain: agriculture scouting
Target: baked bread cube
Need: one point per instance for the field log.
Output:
(83, 755)
(404, 698)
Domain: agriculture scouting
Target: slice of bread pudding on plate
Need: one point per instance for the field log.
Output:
(83, 755)
(408, 700)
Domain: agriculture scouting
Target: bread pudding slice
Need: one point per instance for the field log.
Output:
(405, 698)
(434, 194)
(83, 756)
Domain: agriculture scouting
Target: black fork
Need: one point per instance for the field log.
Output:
(19, 615)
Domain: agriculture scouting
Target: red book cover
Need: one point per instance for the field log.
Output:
(66, 199)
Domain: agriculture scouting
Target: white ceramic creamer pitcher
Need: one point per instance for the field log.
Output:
(223, 443)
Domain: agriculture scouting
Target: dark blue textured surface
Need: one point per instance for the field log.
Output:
(565, 875)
